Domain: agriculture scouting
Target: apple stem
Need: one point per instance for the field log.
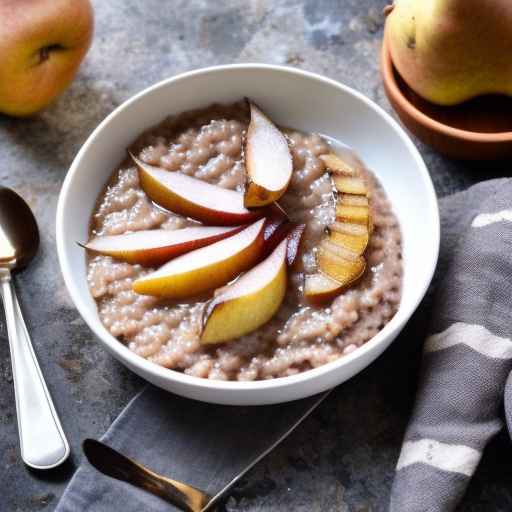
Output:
(44, 53)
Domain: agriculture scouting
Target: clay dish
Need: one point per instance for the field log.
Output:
(479, 129)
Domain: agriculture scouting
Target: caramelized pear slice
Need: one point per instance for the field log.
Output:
(268, 161)
(353, 200)
(350, 185)
(342, 270)
(349, 228)
(339, 250)
(355, 243)
(352, 214)
(334, 163)
(319, 288)
(249, 302)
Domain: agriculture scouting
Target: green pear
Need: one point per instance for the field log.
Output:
(449, 51)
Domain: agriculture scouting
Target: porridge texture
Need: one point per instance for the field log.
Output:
(207, 144)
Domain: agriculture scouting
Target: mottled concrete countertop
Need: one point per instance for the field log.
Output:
(341, 458)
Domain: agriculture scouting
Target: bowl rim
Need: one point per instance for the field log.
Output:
(388, 70)
(160, 373)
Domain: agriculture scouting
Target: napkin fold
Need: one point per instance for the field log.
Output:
(468, 357)
(204, 445)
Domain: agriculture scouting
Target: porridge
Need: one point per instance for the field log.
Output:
(208, 144)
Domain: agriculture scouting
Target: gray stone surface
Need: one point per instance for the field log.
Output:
(342, 457)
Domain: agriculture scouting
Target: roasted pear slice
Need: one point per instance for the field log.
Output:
(319, 288)
(268, 161)
(353, 200)
(355, 243)
(248, 303)
(339, 250)
(352, 214)
(344, 271)
(349, 228)
(350, 185)
(335, 164)
(340, 254)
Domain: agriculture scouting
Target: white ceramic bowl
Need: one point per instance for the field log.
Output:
(293, 98)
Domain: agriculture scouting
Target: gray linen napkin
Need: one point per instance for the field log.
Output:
(468, 357)
(201, 444)
(458, 404)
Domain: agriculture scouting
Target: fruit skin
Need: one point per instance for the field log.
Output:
(174, 199)
(159, 254)
(257, 192)
(42, 43)
(208, 275)
(449, 51)
(276, 229)
(232, 314)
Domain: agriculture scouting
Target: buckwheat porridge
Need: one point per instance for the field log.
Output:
(207, 144)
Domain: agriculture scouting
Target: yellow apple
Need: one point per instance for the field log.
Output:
(42, 43)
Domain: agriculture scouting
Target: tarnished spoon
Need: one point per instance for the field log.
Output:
(42, 441)
(116, 465)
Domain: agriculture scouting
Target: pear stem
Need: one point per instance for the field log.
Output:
(388, 9)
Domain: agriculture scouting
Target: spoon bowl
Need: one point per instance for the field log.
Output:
(19, 236)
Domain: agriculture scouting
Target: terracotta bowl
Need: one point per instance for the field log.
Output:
(480, 129)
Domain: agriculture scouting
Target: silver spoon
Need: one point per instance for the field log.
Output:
(42, 441)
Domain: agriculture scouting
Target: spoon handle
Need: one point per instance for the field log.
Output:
(42, 441)
(114, 464)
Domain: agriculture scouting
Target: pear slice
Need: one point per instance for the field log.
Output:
(205, 268)
(339, 250)
(334, 163)
(249, 302)
(344, 271)
(319, 288)
(350, 185)
(352, 214)
(353, 200)
(354, 243)
(268, 161)
(157, 246)
(194, 198)
(340, 255)
(348, 228)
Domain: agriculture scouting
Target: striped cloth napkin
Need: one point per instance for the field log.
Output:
(468, 357)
